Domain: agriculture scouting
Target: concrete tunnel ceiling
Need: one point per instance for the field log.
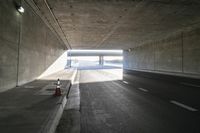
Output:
(119, 24)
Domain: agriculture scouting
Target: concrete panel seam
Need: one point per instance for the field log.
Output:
(54, 31)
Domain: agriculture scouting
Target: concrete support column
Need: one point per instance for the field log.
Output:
(69, 61)
(101, 60)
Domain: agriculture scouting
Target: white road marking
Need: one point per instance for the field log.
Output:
(142, 89)
(183, 106)
(189, 84)
(125, 82)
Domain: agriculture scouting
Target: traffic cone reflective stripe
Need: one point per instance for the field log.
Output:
(58, 90)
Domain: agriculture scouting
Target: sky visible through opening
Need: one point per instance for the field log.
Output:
(95, 58)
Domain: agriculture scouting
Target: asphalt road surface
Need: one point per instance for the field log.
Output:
(137, 104)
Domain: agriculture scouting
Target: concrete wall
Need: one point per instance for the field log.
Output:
(178, 54)
(27, 46)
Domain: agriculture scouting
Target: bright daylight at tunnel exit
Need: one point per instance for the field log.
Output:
(99, 66)
(106, 61)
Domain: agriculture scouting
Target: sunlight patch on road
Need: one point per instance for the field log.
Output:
(100, 75)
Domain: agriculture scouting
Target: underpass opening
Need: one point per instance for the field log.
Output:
(107, 62)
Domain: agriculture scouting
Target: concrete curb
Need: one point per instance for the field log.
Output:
(72, 81)
(70, 121)
(54, 118)
(74, 96)
(74, 76)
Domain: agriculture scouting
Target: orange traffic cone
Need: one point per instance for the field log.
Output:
(58, 90)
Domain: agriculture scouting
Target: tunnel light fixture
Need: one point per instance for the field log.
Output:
(20, 9)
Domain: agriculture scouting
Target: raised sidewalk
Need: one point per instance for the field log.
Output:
(32, 108)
